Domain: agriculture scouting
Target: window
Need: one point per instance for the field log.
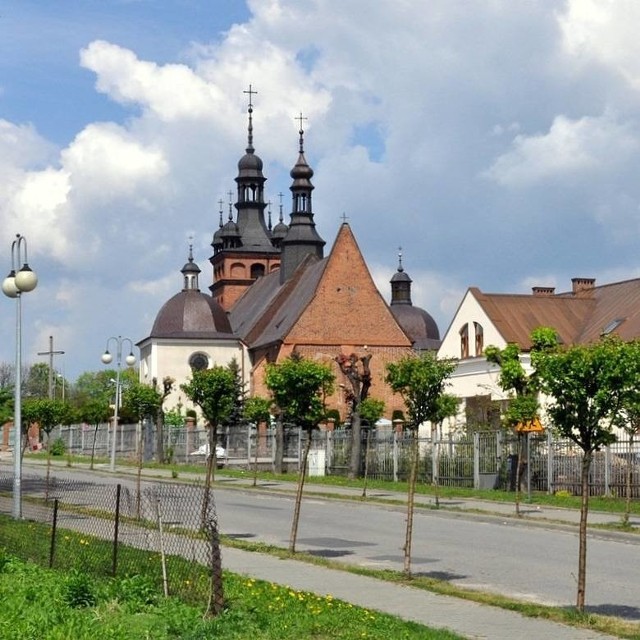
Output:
(257, 271)
(464, 341)
(199, 361)
(479, 331)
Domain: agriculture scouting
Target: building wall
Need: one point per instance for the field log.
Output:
(160, 358)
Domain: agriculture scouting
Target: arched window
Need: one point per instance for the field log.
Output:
(199, 361)
(464, 341)
(479, 331)
(257, 271)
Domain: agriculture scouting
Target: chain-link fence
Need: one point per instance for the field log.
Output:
(104, 528)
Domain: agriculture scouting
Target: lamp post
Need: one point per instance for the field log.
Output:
(20, 280)
(130, 361)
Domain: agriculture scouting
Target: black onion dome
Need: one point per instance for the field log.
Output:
(280, 230)
(417, 324)
(250, 164)
(190, 314)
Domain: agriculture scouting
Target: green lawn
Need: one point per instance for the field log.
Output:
(43, 604)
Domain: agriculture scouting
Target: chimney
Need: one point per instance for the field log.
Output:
(580, 285)
(543, 291)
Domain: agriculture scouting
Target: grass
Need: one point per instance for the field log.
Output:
(82, 603)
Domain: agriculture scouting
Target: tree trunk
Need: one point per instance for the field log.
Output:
(582, 532)
(356, 445)
(93, 446)
(296, 511)
(278, 458)
(211, 462)
(413, 473)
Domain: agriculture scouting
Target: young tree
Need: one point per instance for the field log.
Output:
(523, 404)
(95, 412)
(299, 387)
(159, 415)
(214, 391)
(257, 410)
(585, 385)
(358, 373)
(47, 413)
(420, 380)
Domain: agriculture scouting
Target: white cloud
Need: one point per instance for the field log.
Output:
(465, 132)
(605, 31)
(568, 149)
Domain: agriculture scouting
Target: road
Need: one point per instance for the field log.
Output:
(495, 554)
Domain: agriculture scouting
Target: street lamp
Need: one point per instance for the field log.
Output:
(130, 360)
(20, 280)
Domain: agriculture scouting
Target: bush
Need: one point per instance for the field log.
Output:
(58, 447)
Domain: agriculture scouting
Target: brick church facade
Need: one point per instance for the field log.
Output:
(282, 294)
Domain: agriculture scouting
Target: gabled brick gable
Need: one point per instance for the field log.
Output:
(347, 307)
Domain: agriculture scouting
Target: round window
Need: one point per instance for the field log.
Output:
(199, 361)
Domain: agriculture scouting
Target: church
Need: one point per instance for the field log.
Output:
(275, 292)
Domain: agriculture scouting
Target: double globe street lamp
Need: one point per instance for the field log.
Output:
(130, 360)
(20, 280)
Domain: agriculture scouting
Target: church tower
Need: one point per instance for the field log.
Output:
(243, 249)
(302, 239)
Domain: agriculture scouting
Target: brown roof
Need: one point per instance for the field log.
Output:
(578, 316)
(267, 310)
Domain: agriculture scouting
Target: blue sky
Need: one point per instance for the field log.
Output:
(497, 142)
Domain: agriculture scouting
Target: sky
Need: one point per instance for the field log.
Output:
(497, 142)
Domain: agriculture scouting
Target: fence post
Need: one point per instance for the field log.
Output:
(114, 563)
(549, 462)
(249, 442)
(476, 460)
(328, 448)
(607, 470)
(395, 456)
(54, 528)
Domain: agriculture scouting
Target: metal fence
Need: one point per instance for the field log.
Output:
(483, 460)
(104, 527)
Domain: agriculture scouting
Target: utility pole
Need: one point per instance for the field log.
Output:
(50, 353)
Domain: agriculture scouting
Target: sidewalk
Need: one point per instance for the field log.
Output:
(466, 618)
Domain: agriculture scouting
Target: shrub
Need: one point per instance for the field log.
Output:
(58, 447)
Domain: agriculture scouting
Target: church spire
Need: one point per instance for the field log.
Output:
(400, 284)
(190, 271)
(250, 204)
(302, 239)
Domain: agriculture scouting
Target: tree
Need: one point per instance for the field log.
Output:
(358, 373)
(585, 385)
(159, 415)
(420, 380)
(298, 387)
(94, 412)
(523, 406)
(47, 413)
(213, 390)
(257, 410)
(37, 383)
